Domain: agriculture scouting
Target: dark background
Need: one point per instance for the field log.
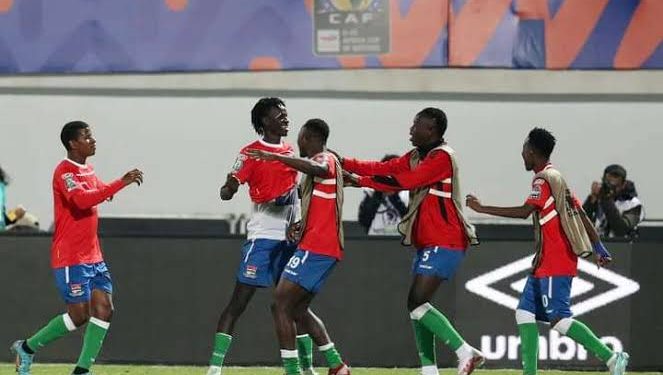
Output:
(170, 290)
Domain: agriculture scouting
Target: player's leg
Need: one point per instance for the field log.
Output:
(254, 271)
(304, 340)
(74, 288)
(431, 267)
(305, 274)
(100, 315)
(529, 307)
(287, 297)
(242, 295)
(558, 308)
(312, 324)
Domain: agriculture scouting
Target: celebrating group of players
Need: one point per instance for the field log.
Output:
(295, 239)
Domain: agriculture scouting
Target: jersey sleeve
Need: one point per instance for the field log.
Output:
(243, 167)
(71, 188)
(539, 194)
(329, 162)
(373, 168)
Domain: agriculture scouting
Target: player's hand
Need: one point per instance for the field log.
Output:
(133, 176)
(601, 254)
(261, 155)
(473, 202)
(294, 232)
(350, 179)
(229, 189)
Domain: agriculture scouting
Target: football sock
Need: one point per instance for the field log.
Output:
(581, 334)
(425, 344)
(58, 327)
(305, 350)
(290, 362)
(95, 333)
(331, 355)
(221, 345)
(529, 347)
(433, 320)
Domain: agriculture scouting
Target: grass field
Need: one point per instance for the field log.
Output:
(44, 369)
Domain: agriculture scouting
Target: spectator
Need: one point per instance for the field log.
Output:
(7, 217)
(613, 204)
(380, 213)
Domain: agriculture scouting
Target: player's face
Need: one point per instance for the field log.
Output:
(528, 156)
(421, 131)
(277, 121)
(302, 143)
(85, 144)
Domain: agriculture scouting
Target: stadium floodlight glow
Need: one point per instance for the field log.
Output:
(482, 285)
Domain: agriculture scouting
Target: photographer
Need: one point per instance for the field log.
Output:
(380, 213)
(613, 204)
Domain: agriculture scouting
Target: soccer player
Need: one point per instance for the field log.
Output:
(81, 276)
(320, 247)
(563, 233)
(273, 191)
(434, 224)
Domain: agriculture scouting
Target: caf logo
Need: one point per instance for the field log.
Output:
(351, 5)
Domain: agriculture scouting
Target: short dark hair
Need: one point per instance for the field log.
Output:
(70, 132)
(542, 141)
(319, 128)
(615, 170)
(438, 116)
(260, 110)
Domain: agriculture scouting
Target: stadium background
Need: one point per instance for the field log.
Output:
(168, 86)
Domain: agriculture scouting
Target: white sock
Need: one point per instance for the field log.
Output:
(429, 370)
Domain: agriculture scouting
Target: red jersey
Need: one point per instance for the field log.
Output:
(437, 222)
(557, 256)
(76, 193)
(321, 233)
(267, 179)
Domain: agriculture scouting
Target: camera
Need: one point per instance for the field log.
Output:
(607, 189)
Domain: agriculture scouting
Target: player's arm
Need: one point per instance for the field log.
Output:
(434, 168)
(82, 199)
(308, 166)
(602, 255)
(375, 168)
(518, 212)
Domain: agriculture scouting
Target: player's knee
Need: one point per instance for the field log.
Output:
(414, 301)
(561, 325)
(524, 317)
(103, 312)
(79, 317)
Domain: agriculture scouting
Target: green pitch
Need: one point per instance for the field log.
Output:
(44, 369)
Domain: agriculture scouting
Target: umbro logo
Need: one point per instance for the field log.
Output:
(591, 289)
